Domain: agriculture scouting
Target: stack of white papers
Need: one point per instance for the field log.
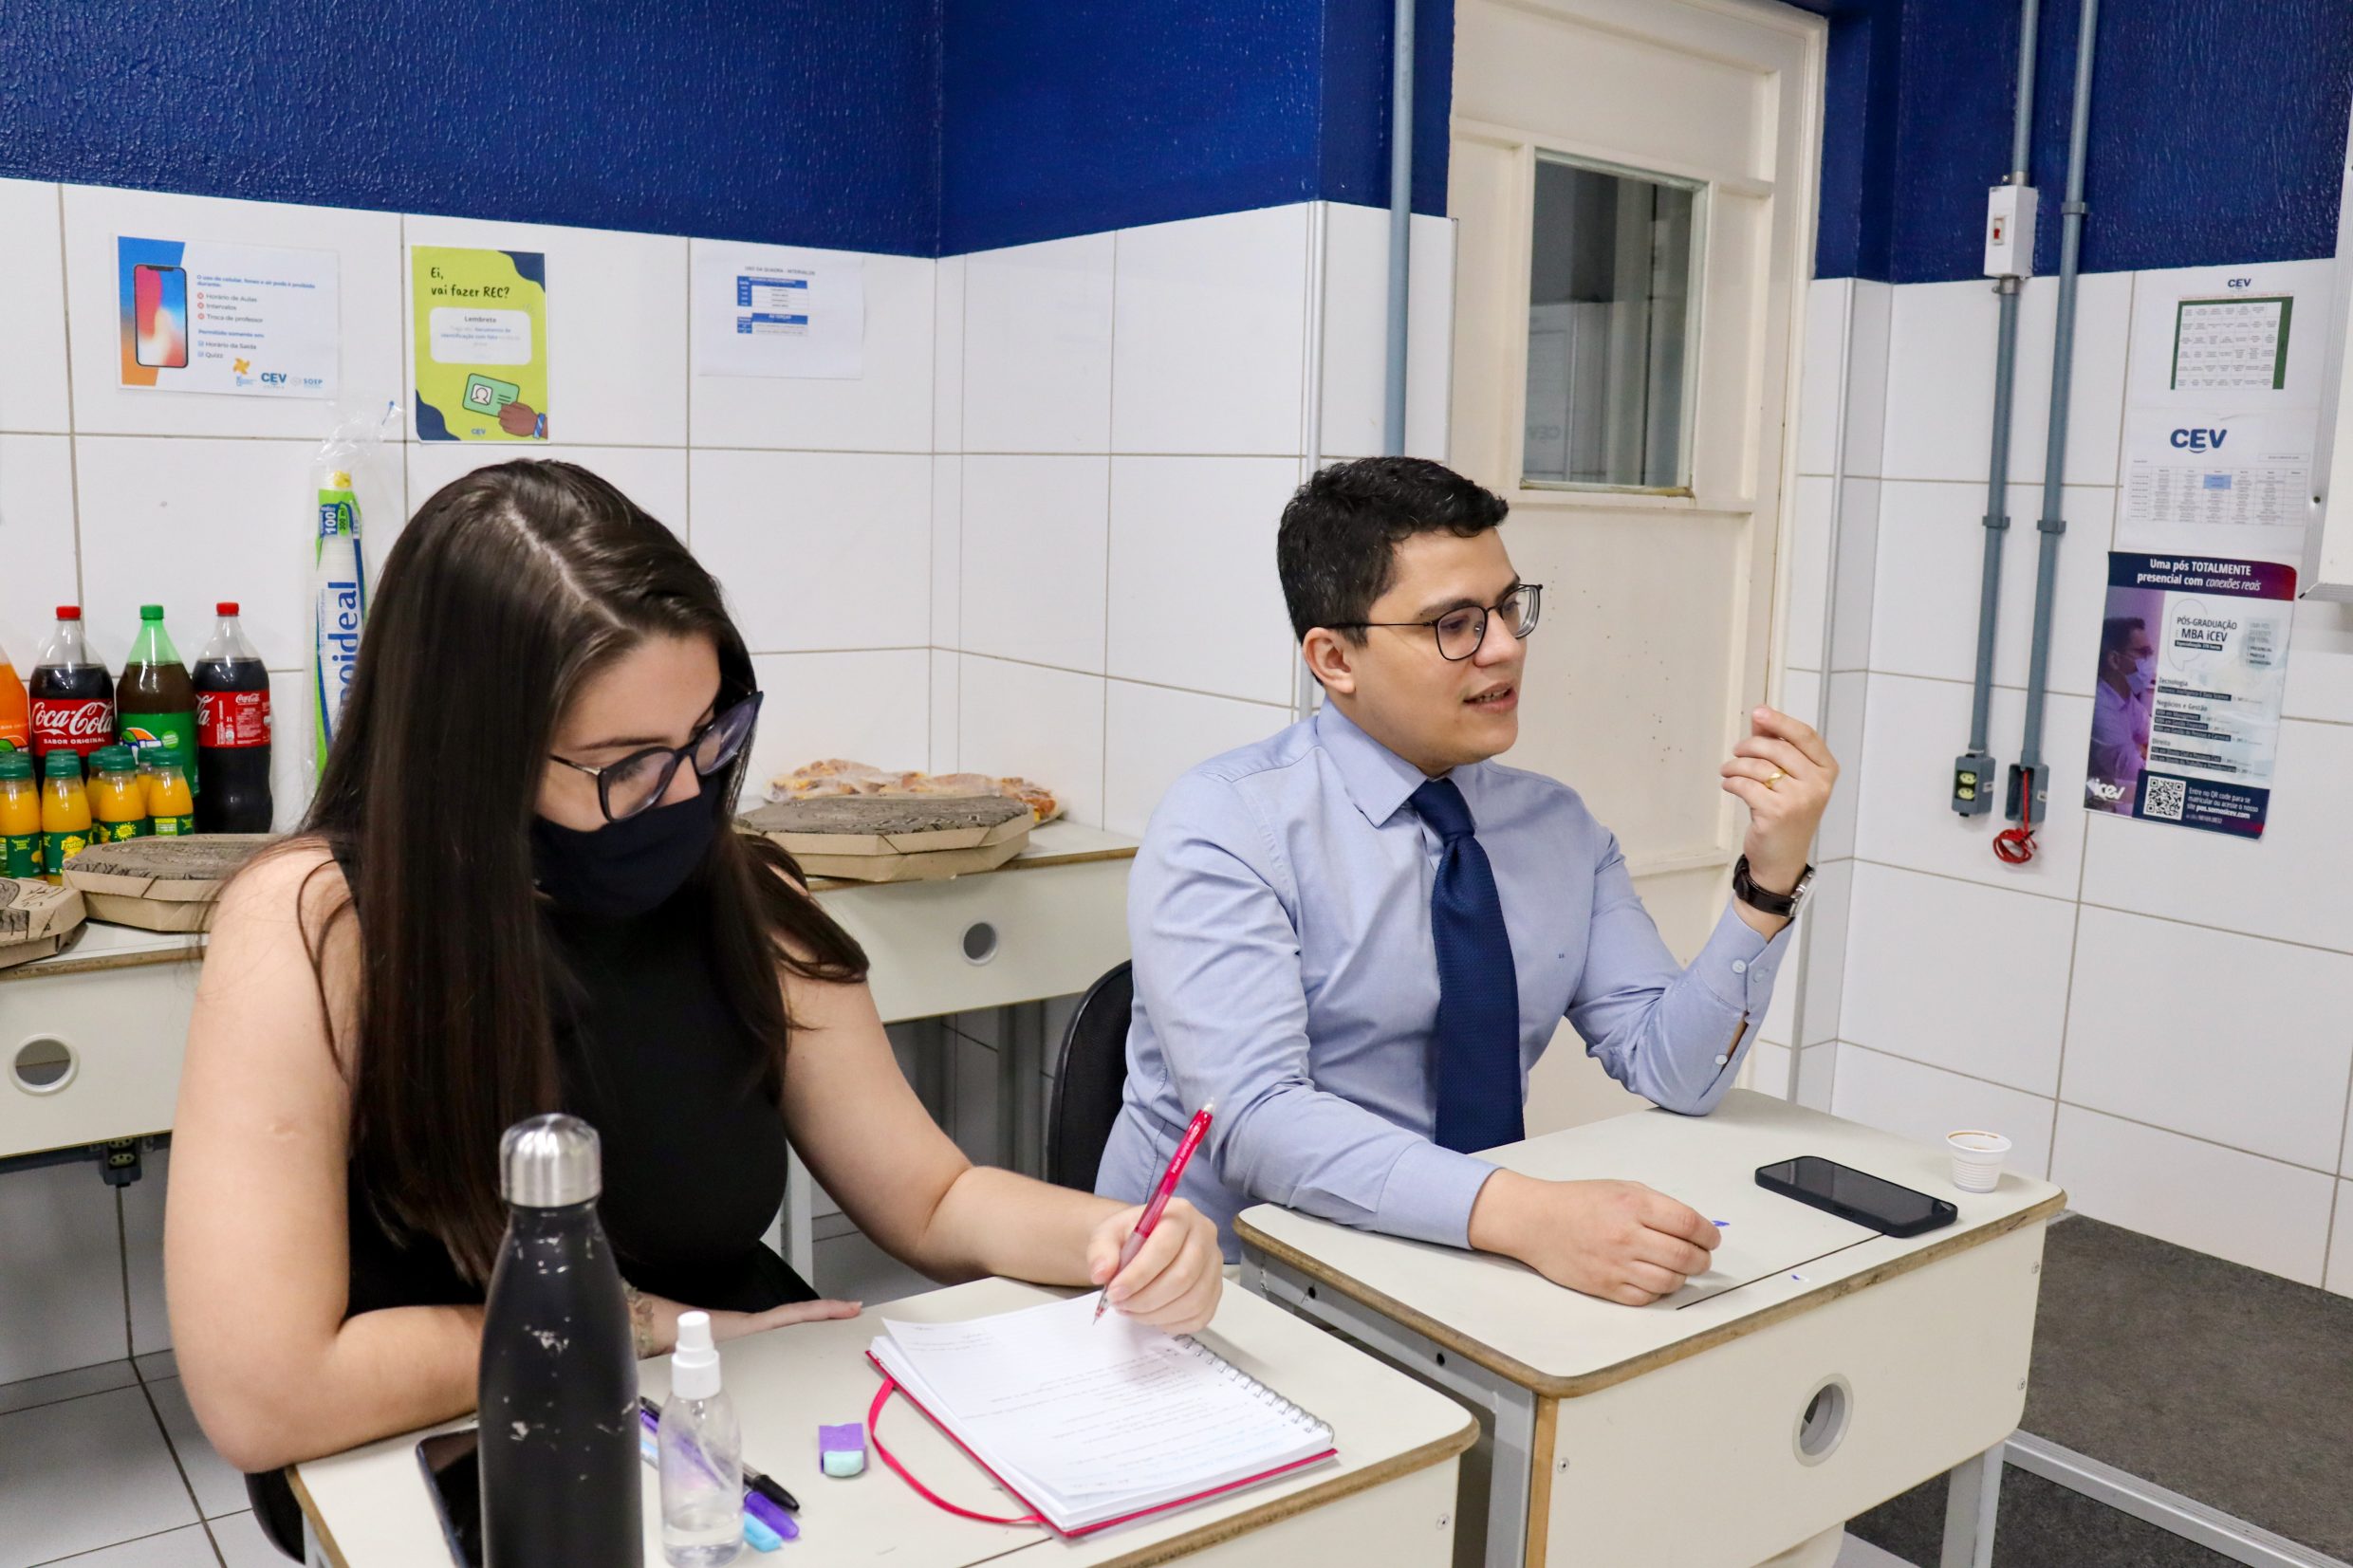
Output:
(1090, 1423)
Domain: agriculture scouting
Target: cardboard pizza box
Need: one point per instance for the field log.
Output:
(897, 838)
(160, 884)
(35, 912)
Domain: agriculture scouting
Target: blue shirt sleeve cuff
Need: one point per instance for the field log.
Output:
(1738, 965)
(1429, 1193)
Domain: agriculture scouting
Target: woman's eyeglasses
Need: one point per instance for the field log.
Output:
(634, 784)
(1460, 632)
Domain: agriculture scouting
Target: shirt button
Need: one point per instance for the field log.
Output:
(1740, 965)
(1722, 1060)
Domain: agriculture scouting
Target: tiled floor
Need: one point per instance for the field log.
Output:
(105, 1467)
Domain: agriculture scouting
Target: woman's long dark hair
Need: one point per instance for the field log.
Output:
(509, 588)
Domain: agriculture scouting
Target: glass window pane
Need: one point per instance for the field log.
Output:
(1608, 329)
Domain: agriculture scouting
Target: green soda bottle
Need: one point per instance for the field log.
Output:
(155, 702)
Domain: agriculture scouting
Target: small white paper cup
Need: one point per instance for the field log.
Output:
(1976, 1159)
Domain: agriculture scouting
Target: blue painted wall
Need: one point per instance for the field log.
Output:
(915, 126)
(2217, 132)
(1071, 117)
(810, 120)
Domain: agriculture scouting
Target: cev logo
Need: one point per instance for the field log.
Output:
(2240, 283)
(273, 377)
(2200, 440)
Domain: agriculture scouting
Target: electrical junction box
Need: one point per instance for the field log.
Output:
(2010, 232)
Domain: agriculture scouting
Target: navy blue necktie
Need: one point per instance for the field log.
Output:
(1477, 1056)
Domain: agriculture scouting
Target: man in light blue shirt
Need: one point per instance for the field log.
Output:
(1292, 965)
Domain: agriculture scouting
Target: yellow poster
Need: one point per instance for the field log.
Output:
(481, 344)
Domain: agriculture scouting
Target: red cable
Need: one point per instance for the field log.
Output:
(2015, 845)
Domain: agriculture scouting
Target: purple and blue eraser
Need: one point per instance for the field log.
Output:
(842, 1451)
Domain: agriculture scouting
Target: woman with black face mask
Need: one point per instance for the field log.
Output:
(519, 891)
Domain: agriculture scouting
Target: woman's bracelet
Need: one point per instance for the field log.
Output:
(641, 1320)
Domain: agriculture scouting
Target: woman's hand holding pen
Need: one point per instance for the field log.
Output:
(1176, 1278)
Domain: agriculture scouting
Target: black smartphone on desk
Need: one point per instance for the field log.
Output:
(1856, 1195)
(453, 1465)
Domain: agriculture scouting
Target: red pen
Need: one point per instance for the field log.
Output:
(1185, 1146)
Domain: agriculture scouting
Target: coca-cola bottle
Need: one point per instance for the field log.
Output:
(233, 732)
(73, 698)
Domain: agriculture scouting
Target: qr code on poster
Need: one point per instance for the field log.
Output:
(2164, 798)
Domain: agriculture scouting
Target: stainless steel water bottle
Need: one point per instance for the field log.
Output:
(559, 1377)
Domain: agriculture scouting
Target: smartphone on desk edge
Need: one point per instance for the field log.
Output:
(453, 1465)
(1856, 1195)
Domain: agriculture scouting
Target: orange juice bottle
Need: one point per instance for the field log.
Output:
(170, 806)
(65, 812)
(15, 711)
(20, 816)
(118, 799)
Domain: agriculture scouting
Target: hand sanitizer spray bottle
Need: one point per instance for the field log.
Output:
(703, 1456)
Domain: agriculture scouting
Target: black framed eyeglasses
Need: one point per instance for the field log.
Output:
(634, 784)
(1460, 633)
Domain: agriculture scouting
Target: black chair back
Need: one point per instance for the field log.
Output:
(1088, 1077)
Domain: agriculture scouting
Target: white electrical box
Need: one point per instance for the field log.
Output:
(2010, 232)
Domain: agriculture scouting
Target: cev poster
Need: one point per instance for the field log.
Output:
(481, 320)
(197, 315)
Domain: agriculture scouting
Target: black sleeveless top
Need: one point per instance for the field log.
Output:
(647, 1053)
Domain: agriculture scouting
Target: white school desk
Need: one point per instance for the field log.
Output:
(1387, 1499)
(1680, 1431)
(1048, 923)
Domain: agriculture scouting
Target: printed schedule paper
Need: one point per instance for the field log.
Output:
(1093, 1422)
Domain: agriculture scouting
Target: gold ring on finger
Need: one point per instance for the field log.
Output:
(1773, 779)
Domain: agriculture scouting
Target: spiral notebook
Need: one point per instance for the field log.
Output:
(1091, 1424)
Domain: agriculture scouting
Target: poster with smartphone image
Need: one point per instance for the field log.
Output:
(246, 320)
(2193, 665)
(481, 356)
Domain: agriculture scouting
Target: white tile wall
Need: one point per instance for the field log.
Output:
(1034, 534)
(2340, 1276)
(1913, 730)
(1155, 735)
(1209, 336)
(1940, 380)
(616, 338)
(32, 308)
(1946, 972)
(1352, 337)
(1037, 347)
(1194, 599)
(1927, 1102)
(1027, 719)
(818, 549)
(869, 707)
(1929, 567)
(2252, 1210)
(2289, 884)
(888, 407)
(36, 541)
(1966, 981)
(2259, 1063)
(142, 1253)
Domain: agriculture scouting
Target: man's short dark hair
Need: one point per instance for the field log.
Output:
(1336, 549)
(2116, 633)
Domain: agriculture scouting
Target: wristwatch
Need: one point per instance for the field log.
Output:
(1785, 904)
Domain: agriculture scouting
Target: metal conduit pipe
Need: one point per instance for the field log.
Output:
(1973, 774)
(2028, 786)
(1401, 223)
